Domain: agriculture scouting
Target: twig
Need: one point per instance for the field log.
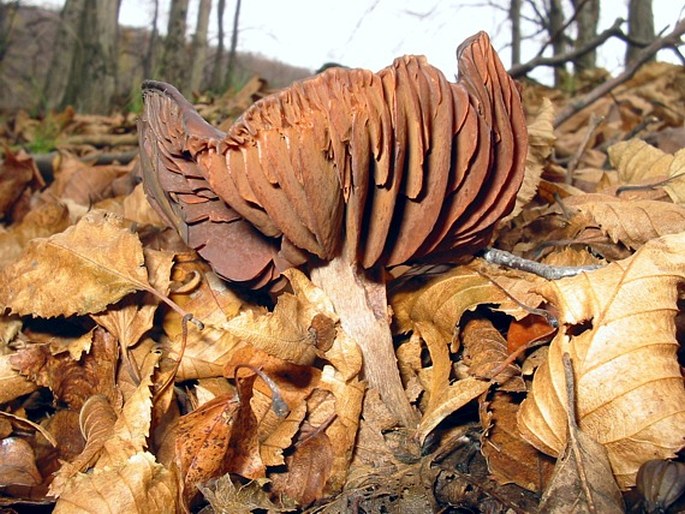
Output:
(522, 69)
(573, 163)
(672, 39)
(509, 260)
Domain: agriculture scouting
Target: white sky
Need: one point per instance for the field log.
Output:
(371, 33)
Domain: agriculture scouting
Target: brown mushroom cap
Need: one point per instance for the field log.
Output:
(386, 168)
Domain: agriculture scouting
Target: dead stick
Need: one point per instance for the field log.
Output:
(672, 39)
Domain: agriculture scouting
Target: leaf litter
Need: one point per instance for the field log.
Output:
(151, 413)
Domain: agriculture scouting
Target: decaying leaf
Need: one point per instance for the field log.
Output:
(632, 222)
(309, 469)
(638, 162)
(100, 260)
(620, 333)
(510, 458)
(582, 481)
(140, 486)
(18, 463)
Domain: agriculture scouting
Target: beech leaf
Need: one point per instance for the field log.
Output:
(631, 222)
(82, 270)
(138, 486)
(582, 481)
(620, 333)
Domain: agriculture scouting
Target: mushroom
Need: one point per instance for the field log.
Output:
(350, 172)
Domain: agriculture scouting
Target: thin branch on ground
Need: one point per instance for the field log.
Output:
(670, 40)
(557, 60)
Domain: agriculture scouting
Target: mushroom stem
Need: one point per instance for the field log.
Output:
(361, 303)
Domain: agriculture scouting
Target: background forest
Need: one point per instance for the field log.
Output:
(152, 360)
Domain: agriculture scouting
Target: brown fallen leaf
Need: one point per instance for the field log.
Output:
(12, 383)
(620, 333)
(18, 463)
(89, 266)
(288, 332)
(631, 222)
(198, 290)
(582, 481)
(133, 315)
(510, 458)
(309, 468)
(138, 486)
(42, 221)
(70, 380)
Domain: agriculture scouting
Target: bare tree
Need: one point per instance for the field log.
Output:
(217, 68)
(515, 19)
(65, 48)
(198, 52)
(640, 28)
(555, 28)
(83, 72)
(587, 17)
(234, 46)
(173, 65)
(149, 59)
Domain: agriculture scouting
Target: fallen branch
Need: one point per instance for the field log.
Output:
(672, 39)
(520, 70)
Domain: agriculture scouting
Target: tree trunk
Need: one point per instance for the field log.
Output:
(174, 62)
(218, 68)
(556, 32)
(515, 18)
(151, 53)
(83, 72)
(587, 17)
(198, 53)
(234, 46)
(640, 28)
(65, 49)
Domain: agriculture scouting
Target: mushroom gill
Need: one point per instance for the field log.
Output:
(349, 171)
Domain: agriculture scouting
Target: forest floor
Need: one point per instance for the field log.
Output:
(111, 401)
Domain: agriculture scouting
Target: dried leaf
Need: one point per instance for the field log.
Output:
(621, 336)
(72, 381)
(18, 463)
(638, 162)
(12, 384)
(139, 486)
(309, 468)
(132, 316)
(510, 458)
(631, 222)
(99, 261)
(582, 481)
(208, 298)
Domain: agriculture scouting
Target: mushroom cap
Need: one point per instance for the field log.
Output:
(385, 168)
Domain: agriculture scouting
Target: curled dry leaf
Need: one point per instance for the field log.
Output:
(510, 458)
(620, 333)
(631, 222)
(18, 463)
(638, 162)
(198, 290)
(100, 260)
